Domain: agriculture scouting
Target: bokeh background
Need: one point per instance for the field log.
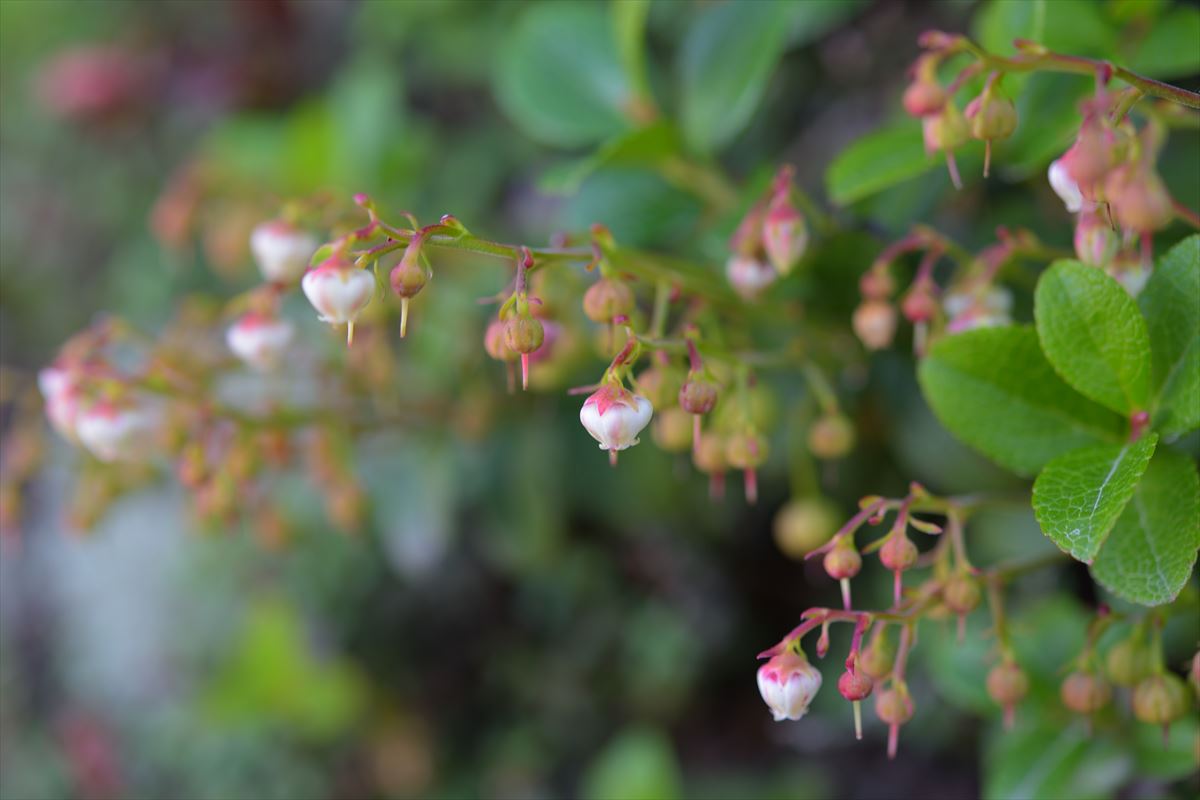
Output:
(515, 619)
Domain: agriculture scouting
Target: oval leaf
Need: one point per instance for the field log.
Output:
(725, 63)
(1079, 495)
(560, 77)
(877, 161)
(993, 388)
(1172, 312)
(1152, 548)
(1093, 334)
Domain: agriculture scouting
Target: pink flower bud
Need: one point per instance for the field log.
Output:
(259, 340)
(945, 131)
(338, 290)
(924, 98)
(855, 685)
(785, 234)
(614, 416)
(117, 432)
(1085, 692)
(749, 276)
(282, 250)
(843, 561)
(607, 299)
(919, 304)
(494, 342)
(1095, 241)
(1138, 198)
(831, 436)
(788, 684)
(698, 395)
(875, 323)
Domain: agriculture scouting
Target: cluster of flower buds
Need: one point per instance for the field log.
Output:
(1108, 179)
(769, 241)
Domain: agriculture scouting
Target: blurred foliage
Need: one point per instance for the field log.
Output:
(518, 620)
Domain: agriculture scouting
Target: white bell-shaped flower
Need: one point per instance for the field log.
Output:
(614, 416)
(259, 339)
(1065, 186)
(61, 392)
(338, 290)
(749, 276)
(282, 250)
(115, 432)
(788, 683)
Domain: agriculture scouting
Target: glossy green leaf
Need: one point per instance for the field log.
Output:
(1093, 334)
(1171, 305)
(1079, 495)
(725, 62)
(1071, 26)
(1150, 553)
(874, 162)
(994, 389)
(560, 78)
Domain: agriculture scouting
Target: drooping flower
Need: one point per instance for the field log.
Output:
(259, 339)
(785, 234)
(117, 431)
(614, 416)
(282, 250)
(749, 276)
(1065, 186)
(788, 684)
(338, 290)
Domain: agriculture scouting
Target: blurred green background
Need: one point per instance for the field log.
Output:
(518, 620)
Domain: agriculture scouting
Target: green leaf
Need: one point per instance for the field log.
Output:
(640, 148)
(1172, 309)
(560, 77)
(1071, 26)
(993, 388)
(1042, 757)
(877, 161)
(1092, 333)
(1150, 553)
(1080, 494)
(1169, 49)
(637, 765)
(725, 63)
(629, 30)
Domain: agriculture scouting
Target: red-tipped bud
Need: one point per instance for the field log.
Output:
(898, 552)
(961, 593)
(698, 395)
(925, 96)
(920, 303)
(1007, 684)
(607, 299)
(411, 274)
(1085, 692)
(831, 436)
(877, 282)
(856, 685)
(523, 333)
(1161, 699)
(843, 560)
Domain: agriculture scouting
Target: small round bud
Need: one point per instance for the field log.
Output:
(961, 593)
(877, 282)
(843, 561)
(1007, 684)
(1160, 699)
(875, 323)
(409, 276)
(606, 299)
(494, 342)
(746, 450)
(523, 334)
(877, 658)
(1128, 661)
(1139, 200)
(672, 429)
(855, 685)
(923, 98)
(831, 436)
(919, 304)
(709, 454)
(946, 130)
(894, 706)
(804, 525)
(698, 395)
(992, 116)
(898, 553)
(1085, 692)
